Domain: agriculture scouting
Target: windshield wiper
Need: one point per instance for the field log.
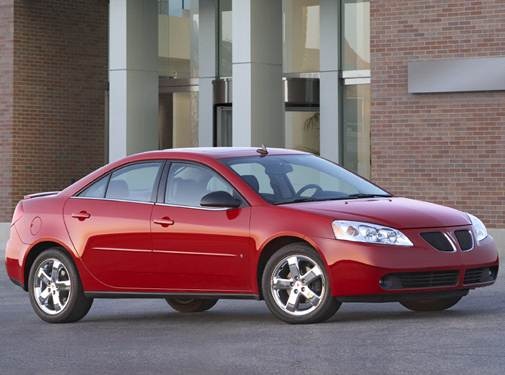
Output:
(296, 200)
(364, 195)
(300, 200)
(351, 196)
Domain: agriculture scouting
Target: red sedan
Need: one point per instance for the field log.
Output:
(196, 225)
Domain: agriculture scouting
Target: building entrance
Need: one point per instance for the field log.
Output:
(178, 113)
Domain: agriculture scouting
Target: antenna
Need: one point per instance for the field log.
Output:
(262, 151)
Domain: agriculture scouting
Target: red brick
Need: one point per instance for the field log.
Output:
(445, 148)
(52, 118)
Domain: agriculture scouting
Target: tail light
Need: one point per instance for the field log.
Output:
(18, 213)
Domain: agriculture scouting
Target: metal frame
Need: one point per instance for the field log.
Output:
(171, 85)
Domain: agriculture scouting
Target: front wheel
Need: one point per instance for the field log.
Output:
(190, 305)
(296, 287)
(55, 289)
(437, 304)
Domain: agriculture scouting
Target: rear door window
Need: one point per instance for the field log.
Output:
(135, 182)
(97, 189)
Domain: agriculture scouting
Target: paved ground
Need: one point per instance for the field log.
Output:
(241, 337)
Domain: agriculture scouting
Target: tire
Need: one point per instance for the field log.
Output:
(190, 305)
(291, 297)
(431, 304)
(55, 289)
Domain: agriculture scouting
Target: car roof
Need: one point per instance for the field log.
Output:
(216, 152)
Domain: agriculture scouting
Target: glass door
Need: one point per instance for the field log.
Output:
(178, 113)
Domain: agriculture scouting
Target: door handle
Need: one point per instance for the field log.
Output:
(81, 216)
(164, 221)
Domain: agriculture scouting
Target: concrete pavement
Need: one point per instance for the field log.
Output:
(241, 337)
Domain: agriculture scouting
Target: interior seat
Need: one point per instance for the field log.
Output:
(252, 181)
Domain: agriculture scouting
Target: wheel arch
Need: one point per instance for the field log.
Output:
(273, 245)
(38, 249)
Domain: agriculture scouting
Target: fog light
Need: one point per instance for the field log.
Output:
(386, 282)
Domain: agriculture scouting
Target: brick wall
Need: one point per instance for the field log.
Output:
(6, 76)
(445, 148)
(60, 75)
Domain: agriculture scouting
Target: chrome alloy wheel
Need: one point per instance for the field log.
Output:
(51, 286)
(298, 285)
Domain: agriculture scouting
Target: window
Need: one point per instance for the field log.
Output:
(302, 130)
(301, 34)
(97, 189)
(356, 96)
(356, 35)
(356, 128)
(255, 176)
(178, 38)
(188, 183)
(135, 182)
(300, 178)
(225, 38)
(302, 174)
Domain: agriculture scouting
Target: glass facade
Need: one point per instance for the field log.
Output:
(178, 27)
(356, 98)
(301, 50)
(225, 38)
(302, 131)
(185, 119)
(178, 119)
(356, 35)
(300, 36)
(178, 38)
(356, 128)
(178, 56)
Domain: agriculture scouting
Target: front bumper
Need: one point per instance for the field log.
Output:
(359, 269)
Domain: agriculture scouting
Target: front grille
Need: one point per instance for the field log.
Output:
(465, 239)
(438, 240)
(480, 275)
(419, 279)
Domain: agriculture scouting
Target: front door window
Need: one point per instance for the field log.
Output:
(189, 183)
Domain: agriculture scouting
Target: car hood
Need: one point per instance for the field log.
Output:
(401, 213)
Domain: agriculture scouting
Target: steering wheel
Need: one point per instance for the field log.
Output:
(303, 189)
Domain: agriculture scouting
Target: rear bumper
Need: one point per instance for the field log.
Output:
(358, 269)
(13, 257)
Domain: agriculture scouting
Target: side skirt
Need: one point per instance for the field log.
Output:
(170, 294)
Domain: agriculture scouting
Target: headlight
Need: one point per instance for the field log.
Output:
(478, 227)
(371, 233)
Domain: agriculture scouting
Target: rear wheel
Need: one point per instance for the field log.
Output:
(438, 304)
(296, 287)
(190, 305)
(55, 289)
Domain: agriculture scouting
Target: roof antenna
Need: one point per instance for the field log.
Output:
(262, 151)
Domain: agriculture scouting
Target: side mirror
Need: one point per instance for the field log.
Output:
(220, 199)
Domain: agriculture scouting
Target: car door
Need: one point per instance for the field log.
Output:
(109, 224)
(196, 248)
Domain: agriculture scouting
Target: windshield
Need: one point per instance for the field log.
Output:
(282, 179)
